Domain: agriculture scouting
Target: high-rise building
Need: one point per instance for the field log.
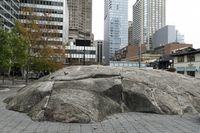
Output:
(80, 20)
(130, 32)
(148, 17)
(9, 12)
(167, 34)
(80, 55)
(180, 37)
(52, 16)
(115, 25)
(99, 44)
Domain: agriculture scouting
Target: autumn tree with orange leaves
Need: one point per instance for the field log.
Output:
(46, 53)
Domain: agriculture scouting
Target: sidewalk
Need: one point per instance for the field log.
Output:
(14, 122)
(9, 83)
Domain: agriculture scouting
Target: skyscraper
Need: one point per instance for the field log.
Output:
(9, 12)
(80, 19)
(53, 16)
(115, 25)
(99, 44)
(148, 17)
(166, 35)
(130, 32)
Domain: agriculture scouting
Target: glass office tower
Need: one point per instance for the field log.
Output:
(9, 12)
(148, 17)
(115, 26)
(53, 15)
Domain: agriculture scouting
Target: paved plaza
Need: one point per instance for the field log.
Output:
(14, 122)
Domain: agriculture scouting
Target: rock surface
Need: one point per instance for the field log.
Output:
(83, 94)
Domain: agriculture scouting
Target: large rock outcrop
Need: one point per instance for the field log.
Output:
(86, 94)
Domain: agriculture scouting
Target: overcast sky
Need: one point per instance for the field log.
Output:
(184, 14)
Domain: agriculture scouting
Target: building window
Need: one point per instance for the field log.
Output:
(180, 58)
(191, 58)
(181, 72)
(191, 73)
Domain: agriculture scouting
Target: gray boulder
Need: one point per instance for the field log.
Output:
(84, 94)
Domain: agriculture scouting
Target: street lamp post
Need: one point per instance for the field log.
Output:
(84, 53)
(84, 43)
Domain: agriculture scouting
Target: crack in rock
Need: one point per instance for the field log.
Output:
(85, 94)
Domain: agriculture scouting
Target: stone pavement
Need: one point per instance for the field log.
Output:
(14, 122)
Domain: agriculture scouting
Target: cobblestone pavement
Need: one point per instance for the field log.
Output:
(13, 122)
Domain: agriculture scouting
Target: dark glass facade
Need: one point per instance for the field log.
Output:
(9, 12)
(50, 14)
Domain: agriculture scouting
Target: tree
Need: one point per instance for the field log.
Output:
(19, 48)
(30, 30)
(13, 50)
(1, 23)
(51, 52)
(49, 59)
(5, 51)
(31, 33)
(44, 52)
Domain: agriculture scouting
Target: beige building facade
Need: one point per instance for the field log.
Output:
(187, 62)
(80, 20)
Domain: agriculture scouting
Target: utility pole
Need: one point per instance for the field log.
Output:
(140, 55)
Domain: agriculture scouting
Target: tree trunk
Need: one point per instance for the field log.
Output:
(13, 77)
(3, 77)
(23, 73)
(26, 77)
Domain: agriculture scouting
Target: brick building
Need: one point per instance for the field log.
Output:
(171, 48)
(129, 52)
